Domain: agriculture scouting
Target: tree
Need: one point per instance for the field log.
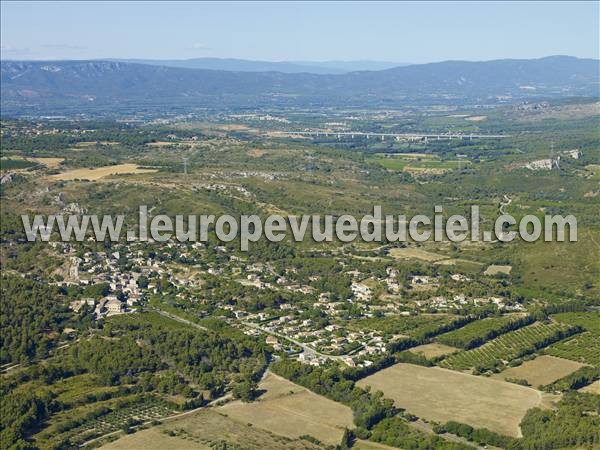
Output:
(245, 391)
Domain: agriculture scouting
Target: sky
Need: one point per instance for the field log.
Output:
(403, 32)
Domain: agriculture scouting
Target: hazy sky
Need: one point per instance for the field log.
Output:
(398, 32)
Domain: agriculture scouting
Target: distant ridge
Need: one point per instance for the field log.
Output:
(53, 86)
(244, 65)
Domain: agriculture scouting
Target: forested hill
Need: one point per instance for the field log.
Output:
(49, 86)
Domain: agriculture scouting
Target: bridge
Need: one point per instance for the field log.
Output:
(397, 136)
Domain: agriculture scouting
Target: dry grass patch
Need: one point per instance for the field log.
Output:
(291, 410)
(409, 155)
(593, 388)
(153, 439)
(205, 429)
(442, 395)
(100, 172)
(425, 170)
(369, 445)
(541, 370)
(161, 143)
(433, 350)
(458, 261)
(496, 269)
(50, 163)
(92, 143)
(256, 153)
(416, 253)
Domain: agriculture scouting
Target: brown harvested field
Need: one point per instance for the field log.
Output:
(438, 394)
(50, 163)
(101, 172)
(541, 370)
(153, 439)
(459, 261)
(161, 143)
(416, 253)
(593, 388)
(92, 143)
(495, 269)
(369, 445)
(291, 410)
(206, 429)
(433, 350)
(256, 152)
(476, 118)
(425, 170)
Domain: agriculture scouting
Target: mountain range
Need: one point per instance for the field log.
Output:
(245, 65)
(52, 87)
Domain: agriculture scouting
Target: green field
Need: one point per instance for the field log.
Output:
(583, 347)
(477, 333)
(10, 164)
(508, 347)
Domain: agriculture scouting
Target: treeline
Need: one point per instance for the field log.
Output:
(560, 307)
(575, 423)
(479, 332)
(32, 315)
(22, 412)
(368, 408)
(397, 433)
(581, 377)
(429, 331)
(482, 436)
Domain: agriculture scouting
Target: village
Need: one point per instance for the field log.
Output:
(313, 330)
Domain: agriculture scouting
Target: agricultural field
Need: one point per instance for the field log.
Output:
(477, 333)
(293, 411)
(416, 253)
(84, 424)
(583, 347)
(593, 388)
(442, 395)
(509, 346)
(100, 172)
(434, 350)
(403, 326)
(417, 163)
(540, 371)
(370, 445)
(50, 163)
(590, 321)
(206, 429)
(7, 164)
(495, 269)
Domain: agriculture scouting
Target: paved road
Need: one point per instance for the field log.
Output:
(179, 319)
(308, 350)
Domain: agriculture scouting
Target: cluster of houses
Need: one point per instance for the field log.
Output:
(286, 326)
(98, 267)
(460, 301)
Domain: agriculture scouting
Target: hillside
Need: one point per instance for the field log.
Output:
(245, 65)
(51, 87)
